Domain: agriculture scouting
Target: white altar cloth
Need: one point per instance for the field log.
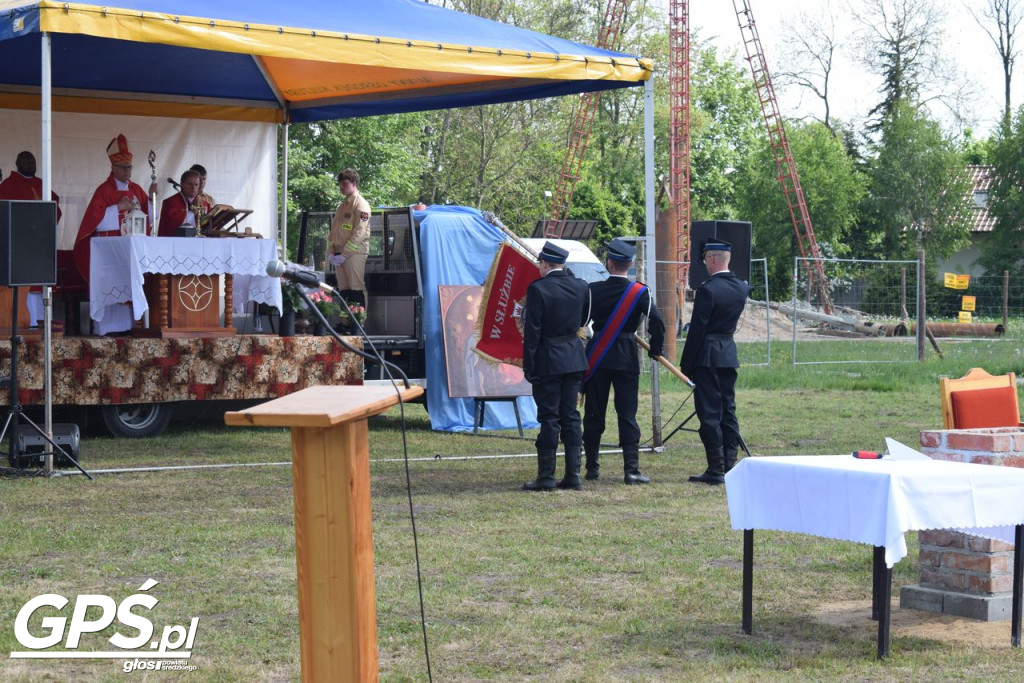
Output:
(874, 501)
(118, 264)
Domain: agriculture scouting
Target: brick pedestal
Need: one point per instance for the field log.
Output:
(966, 575)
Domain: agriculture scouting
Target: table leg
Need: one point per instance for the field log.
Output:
(519, 422)
(1018, 570)
(877, 572)
(885, 601)
(748, 581)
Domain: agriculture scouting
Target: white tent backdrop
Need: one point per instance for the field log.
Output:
(240, 159)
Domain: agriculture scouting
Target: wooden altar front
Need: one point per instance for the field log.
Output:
(187, 306)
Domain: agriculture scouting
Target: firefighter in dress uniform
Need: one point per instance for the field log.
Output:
(709, 359)
(553, 363)
(618, 307)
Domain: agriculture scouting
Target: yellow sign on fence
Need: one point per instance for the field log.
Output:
(968, 303)
(955, 281)
(965, 317)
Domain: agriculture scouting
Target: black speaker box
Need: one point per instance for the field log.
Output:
(32, 446)
(736, 233)
(28, 243)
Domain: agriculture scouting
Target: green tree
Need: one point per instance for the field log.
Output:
(1004, 249)
(833, 189)
(919, 187)
(384, 149)
(725, 122)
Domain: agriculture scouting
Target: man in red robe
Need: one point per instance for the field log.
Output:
(110, 203)
(23, 183)
(180, 208)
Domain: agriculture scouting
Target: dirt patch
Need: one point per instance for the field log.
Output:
(912, 623)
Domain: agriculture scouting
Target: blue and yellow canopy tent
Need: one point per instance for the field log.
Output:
(301, 60)
(283, 62)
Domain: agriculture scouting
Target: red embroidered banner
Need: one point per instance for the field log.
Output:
(499, 323)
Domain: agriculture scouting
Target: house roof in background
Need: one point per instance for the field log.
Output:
(981, 181)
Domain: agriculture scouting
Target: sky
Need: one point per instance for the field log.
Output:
(854, 90)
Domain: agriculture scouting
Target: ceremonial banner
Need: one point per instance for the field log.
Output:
(499, 322)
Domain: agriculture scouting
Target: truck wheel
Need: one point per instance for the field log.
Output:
(137, 421)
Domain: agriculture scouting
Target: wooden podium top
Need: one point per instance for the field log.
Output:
(325, 406)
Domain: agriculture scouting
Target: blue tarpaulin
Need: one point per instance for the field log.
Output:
(458, 246)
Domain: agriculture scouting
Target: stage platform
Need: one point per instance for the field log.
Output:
(118, 370)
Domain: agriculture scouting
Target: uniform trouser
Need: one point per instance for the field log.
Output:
(626, 385)
(351, 274)
(556, 397)
(714, 398)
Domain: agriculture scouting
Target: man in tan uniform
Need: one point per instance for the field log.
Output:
(349, 241)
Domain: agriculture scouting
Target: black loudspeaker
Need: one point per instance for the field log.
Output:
(28, 243)
(736, 233)
(33, 446)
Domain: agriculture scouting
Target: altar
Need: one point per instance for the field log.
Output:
(183, 279)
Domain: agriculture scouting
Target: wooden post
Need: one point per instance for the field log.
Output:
(333, 535)
(1006, 298)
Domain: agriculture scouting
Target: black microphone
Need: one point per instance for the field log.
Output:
(172, 182)
(293, 273)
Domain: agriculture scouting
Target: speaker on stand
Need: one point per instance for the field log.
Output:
(28, 257)
(736, 233)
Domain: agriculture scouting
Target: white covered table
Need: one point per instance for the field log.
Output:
(118, 266)
(875, 502)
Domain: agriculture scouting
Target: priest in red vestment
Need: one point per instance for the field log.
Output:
(180, 208)
(23, 183)
(110, 203)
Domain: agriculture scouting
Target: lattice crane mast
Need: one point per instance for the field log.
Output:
(785, 166)
(679, 130)
(582, 125)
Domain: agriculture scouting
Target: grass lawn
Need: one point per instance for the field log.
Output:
(613, 583)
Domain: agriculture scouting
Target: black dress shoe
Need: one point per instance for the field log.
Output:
(539, 486)
(574, 483)
(592, 474)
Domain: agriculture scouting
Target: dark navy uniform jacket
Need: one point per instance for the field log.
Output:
(623, 353)
(717, 306)
(556, 308)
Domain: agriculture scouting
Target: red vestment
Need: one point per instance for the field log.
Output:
(173, 213)
(17, 186)
(105, 195)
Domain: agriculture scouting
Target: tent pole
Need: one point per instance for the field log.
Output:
(46, 83)
(283, 231)
(651, 256)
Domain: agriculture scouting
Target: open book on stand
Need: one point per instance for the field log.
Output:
(223, 221)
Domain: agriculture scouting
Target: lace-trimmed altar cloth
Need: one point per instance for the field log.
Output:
(118, 266)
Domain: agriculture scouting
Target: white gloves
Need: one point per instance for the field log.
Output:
(336, 259)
